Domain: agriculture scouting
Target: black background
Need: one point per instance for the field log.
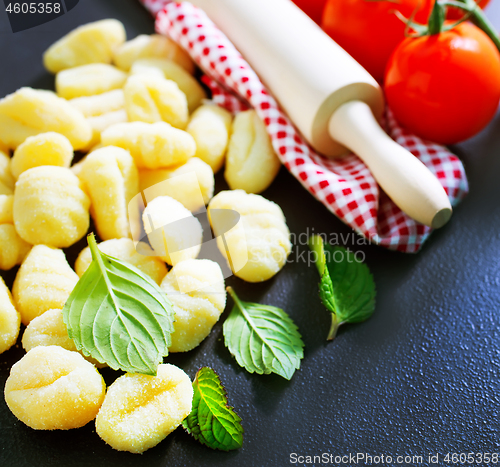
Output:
(421, 376)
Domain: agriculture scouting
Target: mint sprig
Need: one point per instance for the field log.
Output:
(118, 315)
(212, 421)
(346, 287)
(263, 338)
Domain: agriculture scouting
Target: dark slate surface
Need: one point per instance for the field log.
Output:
(421, 376)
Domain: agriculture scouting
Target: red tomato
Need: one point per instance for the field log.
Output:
(445, 87)
(312, 8)
(457, 13)
(369, 30)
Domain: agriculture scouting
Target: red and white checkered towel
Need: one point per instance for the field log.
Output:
(346, 186)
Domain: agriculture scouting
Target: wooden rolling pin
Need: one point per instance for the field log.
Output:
(331, 99)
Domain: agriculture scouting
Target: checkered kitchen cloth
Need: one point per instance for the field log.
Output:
(346, 186)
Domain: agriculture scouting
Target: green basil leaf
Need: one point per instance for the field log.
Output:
(119, 316)
(211, 421)
(346, 288)
(263, 338)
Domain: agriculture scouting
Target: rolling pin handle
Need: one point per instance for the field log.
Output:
(406, 180)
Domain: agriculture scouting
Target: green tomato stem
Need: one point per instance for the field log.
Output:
(436, 20)
(478, 17)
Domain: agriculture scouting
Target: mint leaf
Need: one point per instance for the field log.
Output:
(211, 421)
(263, 338)
(118, 315)
(346, 288)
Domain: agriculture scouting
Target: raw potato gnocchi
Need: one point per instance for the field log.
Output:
(139, 411)
(51, 388)
(195, 288)
(152, 145)
(50, 208)
(145, 46)
(251, 163)
(44, 281)
(13, 249)
(90, 43)
(210, 126)
(28, 112)
(172, 71)
(101, 111)
(173, 232)
(259, 244)
(89, 80)
(124, 249)
(111, 179)
(10, 319)
(153, 99)
(43, 149)
(192, 183)
(6, 179)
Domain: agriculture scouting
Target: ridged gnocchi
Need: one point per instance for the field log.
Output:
(172, 71)
(173, 232)
(153, 99)
(90, 43)
(149, 46)
(140, 256)
(10, 319)
(259, 244)
(89, 80)
(28, 112)
(251, 163)
(52, 388)
(13, 249)
(44, 281)
(152, 145)
(192, 183)
(139, 411)
(43, 149)
(210, 126)
(195, 288)
(111, 180)
(50, 208)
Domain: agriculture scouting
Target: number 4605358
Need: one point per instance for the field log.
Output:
(33, 7)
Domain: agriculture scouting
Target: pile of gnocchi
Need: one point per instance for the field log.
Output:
(140, 123)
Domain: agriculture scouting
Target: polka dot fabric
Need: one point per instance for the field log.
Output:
(345, 186)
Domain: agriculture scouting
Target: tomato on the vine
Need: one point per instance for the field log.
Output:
(457, 13)
(369, 30)
(445, 87)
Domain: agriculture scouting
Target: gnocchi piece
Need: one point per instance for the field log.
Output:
(251, 163)
(139, 411)
(170, 70)
(52, 388)
(140, 256)
(144, 46)
(6, 179)
(28, 112)
(100, 104)
(210, 126)
(101, 111)
(13, 249)
(44, 281)
(6, 205)
(43, 149)
(152, 145)
(173, 232)
(192, 183)
(10, 319)
(259, 244)
(153, 99)
(50, 208)
(89, 80)
(90, 43)
(111, 180)
(195, 288)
